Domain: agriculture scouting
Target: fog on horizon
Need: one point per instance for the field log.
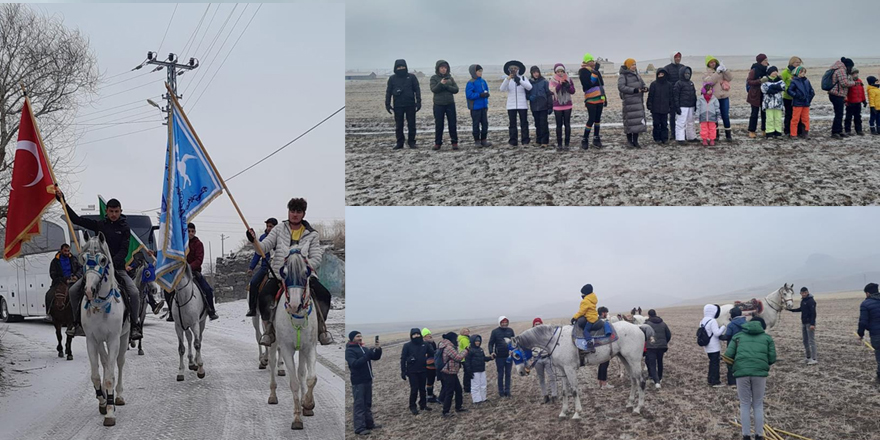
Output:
(448, 263)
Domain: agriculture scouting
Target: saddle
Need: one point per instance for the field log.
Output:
(753, 306)
(603, 336)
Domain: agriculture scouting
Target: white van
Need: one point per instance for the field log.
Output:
(25, 280)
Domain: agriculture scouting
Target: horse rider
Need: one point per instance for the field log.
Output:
(293, 233)
(262, 271)
(587, 318)
(194, 258)
(117, 235)
(63, 270)
(137, 260)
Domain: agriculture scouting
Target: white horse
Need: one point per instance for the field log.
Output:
(189, 312)
(296, 331)
(564, 355)
(263, 351)
(781, 298)
(104, 324)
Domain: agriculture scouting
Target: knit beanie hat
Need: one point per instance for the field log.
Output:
(760, 57)
(854, 70)
(652, 313)
(587, 289)
(537, 321)
(734, 312)
(425, 332)
(847, 62)
(629, 62)
(772, 69)
(871, 288)
(872, 80)
(478, 67)
(557, 66)
(804, 289)
(798, 70)
(588, 58)
(352, 335)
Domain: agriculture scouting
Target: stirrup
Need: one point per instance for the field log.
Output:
(268, 337)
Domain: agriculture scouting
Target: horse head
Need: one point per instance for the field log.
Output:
(521, 358)
(295, 273)
(147, 280)
(97, 265)
(786, 294)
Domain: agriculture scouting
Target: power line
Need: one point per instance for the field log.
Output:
(220, 49)
(207, 28)
(199, 26)
(168, 27)
(114, 113)
(287, 144)
(211, 46)
(126, 80)
(121, 135)
(118, 106)
(121, 123)
(112, 124)
(127, 90)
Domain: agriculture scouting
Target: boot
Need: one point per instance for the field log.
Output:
(873, 130)
(436, 147)
(629, 140)
(752, 134)
(597, 142)
(455, 146)
(412, 144)
(805, 134)
(324, 337)
(268, 337)
(158, 307)
(397, 147)
(727, 134)
(485, 143)
(712, 143)
(583, 357)
(477, 142)
(251, 312)
(636, 140)
(585, 142)
(860, 133)
(591, 346)
(705, 143)
(546, 399)
(717, 133)
(170, 317)
(135, 334)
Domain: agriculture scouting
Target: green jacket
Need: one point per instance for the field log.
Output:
(786, 76)
(463, 342)
(752, 351)
(443, 92)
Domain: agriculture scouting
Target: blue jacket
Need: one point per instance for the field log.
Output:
(733, 328)
(473, 90)
(256, 257)
(801, 92)
(540, 99)
(869, 317)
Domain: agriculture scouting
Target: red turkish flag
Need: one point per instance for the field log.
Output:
(32, 187)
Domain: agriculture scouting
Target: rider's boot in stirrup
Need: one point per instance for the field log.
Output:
(268, 337)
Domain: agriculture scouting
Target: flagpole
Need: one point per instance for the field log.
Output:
(49, 165)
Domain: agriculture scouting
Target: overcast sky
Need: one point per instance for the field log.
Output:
(431, 263)
(281, 78)
(464, 32)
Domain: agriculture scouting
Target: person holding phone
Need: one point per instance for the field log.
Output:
(516, 85)
(359, 360)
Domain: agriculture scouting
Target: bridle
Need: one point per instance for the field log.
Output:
(99, 264)
(536, 358)
(777, 306)
(289, 280)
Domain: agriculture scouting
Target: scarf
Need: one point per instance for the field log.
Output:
(563, 97)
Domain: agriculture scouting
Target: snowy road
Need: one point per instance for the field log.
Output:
(52, 398)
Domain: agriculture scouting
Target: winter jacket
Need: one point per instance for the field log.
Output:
(359, 360)
(516, 93)
(56, 269)
(807, 310)
(474, 88)
(117, 234)
(752, 351)
(404, 87)
(662, 335)
(497, 344)
(414, 355)
(787, 75)
(716, 77)
(755, 96)
(801, 92)
(660, 94)
(430, 363)
(674, 70)
(708, 111)
(842, 80)
(629, 84)
(710, 314)
(734, 327)
(279, 243)
(772, 91)
(874, 97)
(869, 317)
(443, 92)
(684, 94)
(476, 359)
(856, 93)
(561, 91)
(257, 259)
(451, 357)
(464, 342)
(196, 254)
(592, 83)
(540, 99)
(587, 308)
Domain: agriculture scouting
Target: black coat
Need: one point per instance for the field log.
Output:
(404, 89)
(56, 273)
(359, 360)
(497, 344)
(660, 94)
(117, 234)
(662, 335)
(475, 361)
(414, 357)
(673, 71)
(683, 93)
(869, 318)
(808, 310)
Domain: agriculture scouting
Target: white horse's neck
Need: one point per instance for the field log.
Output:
(775, 300)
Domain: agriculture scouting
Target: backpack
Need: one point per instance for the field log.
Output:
(438, 359)
(703, 337)
(828, 80)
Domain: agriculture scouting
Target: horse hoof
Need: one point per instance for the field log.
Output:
(200, 375)
(180, 378)
(131, 343)
(262, 367)
(193, 367)
(102, 409)
(109, 421)
(296, 425)
(576, 416)
(140, 352)
(308, 412)
(60, 354)
(562, 415)
(273, 400)
(70, 357)
(120, 401)
(282, 373)
(637, 411)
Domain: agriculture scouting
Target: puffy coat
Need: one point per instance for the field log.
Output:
(801, 92)
(807, 310)
(629, 84)
(476, 359)
(710, 314)
(474, 88)
(752, 351)
(443, 92)
(684, 94)
(734, 327)
(561, 87)
(660, 94)
(842, 81)
(716, 77)
(540, 99)
(278, 242)
(856, 93)
(404, 88)
(874, 97)
(869, 317)
(414, 355)
(772, 91)
(359, 362)
(497, 344)
(755, 96)
(588, 308)
(662, 335)
(464, 342)
(788, 73)
(708, 111)
(674, 70)
(451, 357)
(516, 93)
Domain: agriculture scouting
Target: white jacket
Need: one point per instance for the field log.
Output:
(710, 312)
(278, 243)
(516, 94)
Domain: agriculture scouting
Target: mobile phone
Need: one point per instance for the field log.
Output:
(377, 339)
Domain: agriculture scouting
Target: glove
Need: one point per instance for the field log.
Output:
(720, 68)
(605, 104)
(388, 108)
(864, 103)
(484, 95)
(573, 321)
(250, 236)
(516, 80)
(765, 79)
(678, 111)
(564, 84)
(418, 106)
(403, 376)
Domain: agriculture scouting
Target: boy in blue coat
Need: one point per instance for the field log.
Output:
(735, 326)
(477, 94)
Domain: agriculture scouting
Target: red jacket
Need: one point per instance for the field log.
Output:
(856, 93)
(196, 254)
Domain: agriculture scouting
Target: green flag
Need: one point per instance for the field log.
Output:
(134, 244)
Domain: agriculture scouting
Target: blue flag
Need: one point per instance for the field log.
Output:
(191, 183)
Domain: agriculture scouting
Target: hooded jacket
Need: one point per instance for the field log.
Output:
(772, 91)
(755, 96)
(787, 75)
(752, 351)
(842, 80)
(414, 354)
(516, 93)
(856, 93)
(807, 310)
(443, 92)
(451, 356)
(874, 97)
(662, 335)
(708, 111)
(684, 94)
(117, 234)
(561, 88)
(801, 92)
(660, 94)
(404, 88)
(869, 317)
(629, 84)
(56, 271)
(279, 243)
(587, 308)
(540, 99)
(476, 358)
(716, 77)
(497, 344)
(474, 88)
(674, 70)
(359, 362)
(710, 314)
(734, 327)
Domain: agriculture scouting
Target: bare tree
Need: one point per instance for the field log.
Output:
(59, 71)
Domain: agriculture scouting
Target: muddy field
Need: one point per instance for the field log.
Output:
(819, 171)
(831, 400)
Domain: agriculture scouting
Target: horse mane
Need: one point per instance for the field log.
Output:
(535, 337)
(295, 270)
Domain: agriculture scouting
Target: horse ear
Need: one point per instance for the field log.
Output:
(101, 238)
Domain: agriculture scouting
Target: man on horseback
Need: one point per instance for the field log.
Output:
(194, 258)
(117, 234)
(262, 272)
(587, 318)
(63, 271)
(294, 233)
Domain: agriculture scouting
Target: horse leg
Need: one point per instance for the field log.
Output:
(200, 373)
(181, 350)
(571, 372)
(189, 354)
(295, 389)
(639, 382)
(58, 335)
(307, 376)
(271, 352)
(113, 349)
(281, 371)
(92, 348)
(630, 369)
(565, 391)
(260, 352)
(120, 363)
(67, 347)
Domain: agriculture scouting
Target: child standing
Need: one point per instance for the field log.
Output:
(772, 103)
(477, 93)
(684, 102)
(660, 105)
(541, 104)
(444, 87)
(802, 93)
(516, 85)
(562, 88)
(708, 110)
(874, 103)
(855, 100)
(475, 363)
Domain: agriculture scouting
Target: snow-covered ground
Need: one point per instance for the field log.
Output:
(47, 397)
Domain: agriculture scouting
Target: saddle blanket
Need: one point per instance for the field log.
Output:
(603, 336)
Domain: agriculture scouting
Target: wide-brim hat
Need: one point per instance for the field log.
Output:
(518, 64)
